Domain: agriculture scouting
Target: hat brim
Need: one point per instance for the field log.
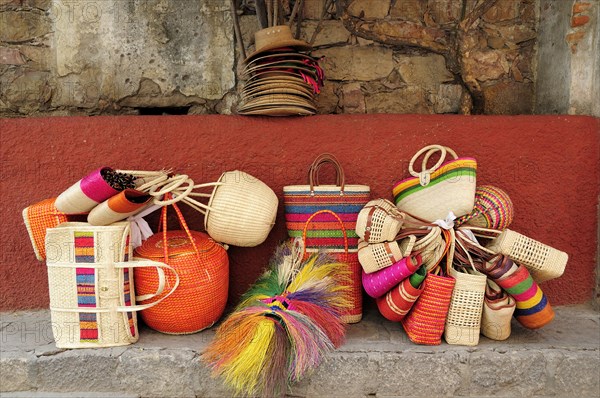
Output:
(277, 100)
(283, 44)
(280, 84)
(278, 90)
(279, 68)
(278, 56)
(281, 111)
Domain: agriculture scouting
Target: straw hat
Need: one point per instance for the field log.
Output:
(275, 37)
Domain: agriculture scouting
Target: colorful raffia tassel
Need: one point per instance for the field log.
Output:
(284, 326)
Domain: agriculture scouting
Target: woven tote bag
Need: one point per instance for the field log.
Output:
(379, 221)
(543, 262)
(396, 303)
(38, 218)
(203, 268)
(433, 193)
(498, 309)
(425, 323)
(376, 256)
(302, 201)
(378, 283)
(90, 280)
(353, 281)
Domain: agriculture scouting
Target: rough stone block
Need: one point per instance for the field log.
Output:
(352, 99)
(356, 63)
(508, 98)
(503, 10)
(486, 65)
(26, 91)
(409, 99)
(369, 9)
(444, 11)
(332, 32)
(121, 43)
(425, 71)
(11, 56)
(515, 373)
(23, 26)
(447, 99)
(409, 10)
(327, 100)
(578, 375)
(313, 8)
(15, 371)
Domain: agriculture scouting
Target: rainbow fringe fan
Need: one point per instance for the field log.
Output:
(284, 326)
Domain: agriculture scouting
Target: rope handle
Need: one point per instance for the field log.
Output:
(337, 218)
(425, 174)
(436, 269)
(161, 281)
(325, 158)
(163, 226)
(481, 229)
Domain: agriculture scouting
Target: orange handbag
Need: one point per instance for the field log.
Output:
(203, 269)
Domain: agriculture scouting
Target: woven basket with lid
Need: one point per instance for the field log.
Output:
(200, 299)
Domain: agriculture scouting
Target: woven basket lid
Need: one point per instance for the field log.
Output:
(179, 244)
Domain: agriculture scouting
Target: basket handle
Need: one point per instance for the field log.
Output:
(325, 158)
(161, 282)
(162, 225)
(425, 174)
(337, 218)
(434, 150)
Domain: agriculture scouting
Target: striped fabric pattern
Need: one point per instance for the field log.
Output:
(450, 171)
(425, 323)
(86, 298)
(397, 302)
(84, 247)
(324, 230)
(533, 309)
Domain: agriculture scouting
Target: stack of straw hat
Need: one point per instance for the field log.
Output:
(281, 80)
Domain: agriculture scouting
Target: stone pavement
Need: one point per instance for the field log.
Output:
(561, 360)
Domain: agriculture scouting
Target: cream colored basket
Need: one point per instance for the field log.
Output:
(90, 279)
(379, 221)
(497, 313)
(241, 210)
(542, 261)
(376, 256)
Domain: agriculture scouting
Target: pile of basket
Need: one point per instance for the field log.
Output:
(442, 261)
(88, 234)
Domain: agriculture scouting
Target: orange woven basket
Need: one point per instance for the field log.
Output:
(39, 217)
(203, 269)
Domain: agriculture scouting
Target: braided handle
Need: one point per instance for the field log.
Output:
(337, 218)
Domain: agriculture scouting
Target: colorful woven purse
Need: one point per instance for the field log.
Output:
(92, 296)
(426, 321)
(203, 267)
(433, 193)
(38, 218)
(352, 282)
(302, 201)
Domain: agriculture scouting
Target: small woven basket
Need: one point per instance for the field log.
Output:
(378, 283)
(376, 256)
(396, 303)
(241, 210)
(498, 309)
(379, 221)
(543, 262)
(493, 209)
(38, 218)
(464, 315)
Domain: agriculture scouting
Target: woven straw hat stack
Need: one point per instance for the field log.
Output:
(281, 79)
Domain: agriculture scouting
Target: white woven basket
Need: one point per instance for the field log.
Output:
(92, 294)
(241, 210)
(497, 313)
(379, 221)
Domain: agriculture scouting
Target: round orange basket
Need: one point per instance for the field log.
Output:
(203, 269)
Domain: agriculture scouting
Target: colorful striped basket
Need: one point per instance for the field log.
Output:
(352, 282)
(446, 187)
(396, 303)
(493, 209)
(92, 295)
(346, 201)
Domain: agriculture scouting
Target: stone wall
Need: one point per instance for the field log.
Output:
(179, 56)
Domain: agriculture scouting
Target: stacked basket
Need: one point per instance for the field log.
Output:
(442, 260)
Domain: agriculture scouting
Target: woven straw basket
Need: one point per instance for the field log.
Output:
(464, 315)
(379, 221)
(376, 256)
(432, 193)
(543, 262)
(38, 218)
(203, 267)
(124, 204)
(498, 309)
(378, 283)
(92, 295)
(241, 210)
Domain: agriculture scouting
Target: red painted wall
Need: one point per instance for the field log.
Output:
(548, 165)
